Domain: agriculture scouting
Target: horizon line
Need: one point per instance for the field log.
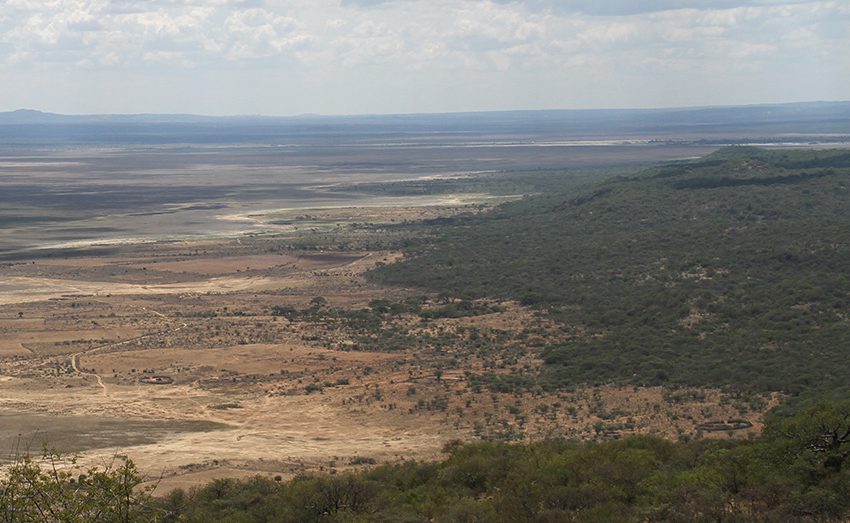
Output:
(423, 113)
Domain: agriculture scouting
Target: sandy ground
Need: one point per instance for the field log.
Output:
(83, 369)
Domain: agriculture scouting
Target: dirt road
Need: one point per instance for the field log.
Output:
(76, 358)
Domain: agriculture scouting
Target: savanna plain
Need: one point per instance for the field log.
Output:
(229, 309)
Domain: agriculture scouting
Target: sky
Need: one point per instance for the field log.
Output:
(287, 57)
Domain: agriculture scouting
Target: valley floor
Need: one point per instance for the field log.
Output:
(229, 358)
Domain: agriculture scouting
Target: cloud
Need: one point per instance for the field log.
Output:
(506, 46)
(257, 33)
(356, 32)
(632, 7)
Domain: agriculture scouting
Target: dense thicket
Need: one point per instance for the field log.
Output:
(731, 270)
(797, 471)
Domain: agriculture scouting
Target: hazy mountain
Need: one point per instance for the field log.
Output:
(822, 117)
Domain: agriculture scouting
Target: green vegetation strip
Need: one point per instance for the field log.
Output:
(797, 471)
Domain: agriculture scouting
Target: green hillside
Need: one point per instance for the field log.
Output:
(731, 270)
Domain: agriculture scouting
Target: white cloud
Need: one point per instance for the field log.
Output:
(566, 44)
(256, 33)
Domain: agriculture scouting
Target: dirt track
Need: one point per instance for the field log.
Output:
(76, 358)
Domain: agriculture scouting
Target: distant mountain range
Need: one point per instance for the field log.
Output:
(692, 122)
(31, 116)
(762, 112)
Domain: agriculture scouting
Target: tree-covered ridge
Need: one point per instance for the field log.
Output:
(730, 270)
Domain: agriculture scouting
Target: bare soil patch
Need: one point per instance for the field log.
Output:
(21, 433)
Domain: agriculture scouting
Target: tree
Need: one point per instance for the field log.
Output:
(821, 431)
(54, 488)
(318, 302)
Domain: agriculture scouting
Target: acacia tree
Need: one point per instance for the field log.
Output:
(821, 432)
(54, 488)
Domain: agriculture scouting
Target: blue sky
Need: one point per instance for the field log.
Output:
(282, 57)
